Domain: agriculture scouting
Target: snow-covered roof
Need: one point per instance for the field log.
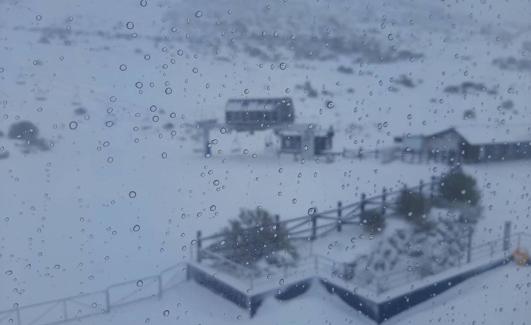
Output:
(301, 128)
(482, 134)
(495, 134)
(258, 104)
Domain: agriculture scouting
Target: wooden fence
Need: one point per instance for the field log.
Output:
(390, 154)
(320, 223)
(81, 306)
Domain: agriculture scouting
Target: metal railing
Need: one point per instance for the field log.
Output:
(90, 304)
(479, 255)
(313, 265)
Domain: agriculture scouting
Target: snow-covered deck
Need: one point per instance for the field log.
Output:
(379, 302)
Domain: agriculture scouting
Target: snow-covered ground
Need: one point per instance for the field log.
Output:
(186, 304)
(121, 192)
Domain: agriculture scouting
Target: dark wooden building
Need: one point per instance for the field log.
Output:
(256, 114)
(470, 144)
(305, 140)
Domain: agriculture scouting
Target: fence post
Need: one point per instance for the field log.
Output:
(159, 279)
(432, 187)
(314, 225)
(339, 215)
(384, 198)
(65, 313)
(507, 236)
(277, 225)
(198, 257)
(206, 141)
(363, 203)
(188, 273)
(469, 246)
(251, 281)
(107, 301)
(18, 314)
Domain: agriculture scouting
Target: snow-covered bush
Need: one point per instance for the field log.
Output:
(410, 254)
(372, 221)
(255, 236)
(459, 187)
(28, 133)
(441, 247)
(414, 207)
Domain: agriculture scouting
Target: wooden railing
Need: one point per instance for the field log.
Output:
(317, 223)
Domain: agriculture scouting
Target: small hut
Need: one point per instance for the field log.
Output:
(306, 140)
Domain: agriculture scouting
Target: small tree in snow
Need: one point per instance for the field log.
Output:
(372, 221)
(414, 207)
(255, 236)
(459, 187)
